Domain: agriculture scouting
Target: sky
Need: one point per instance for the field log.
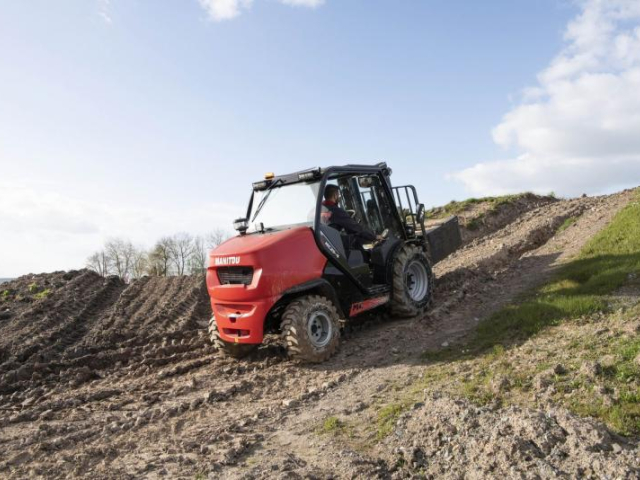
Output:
(139, 118)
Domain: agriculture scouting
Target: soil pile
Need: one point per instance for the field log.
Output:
(447, 438)
(485, 216)
(55, 324)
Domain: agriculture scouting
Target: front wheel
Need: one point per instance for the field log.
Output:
(235, 350)
(311, 329)
(412, 282)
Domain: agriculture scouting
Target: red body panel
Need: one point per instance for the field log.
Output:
(280, 260)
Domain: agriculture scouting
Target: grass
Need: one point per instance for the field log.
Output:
(455, 208)
(564, 316)
(334, 426)
(567, 223)
(608, 261)
(388, 416)
(43, 294)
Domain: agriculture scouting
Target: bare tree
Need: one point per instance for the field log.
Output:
(120, 254)
(139, 263)
(99, 263)
(198, 260)
(159, 259)
(180, 251)
(216, 237)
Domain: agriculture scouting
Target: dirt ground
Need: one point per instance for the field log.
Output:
(99, 379)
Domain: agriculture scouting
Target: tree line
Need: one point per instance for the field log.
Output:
(178, 254)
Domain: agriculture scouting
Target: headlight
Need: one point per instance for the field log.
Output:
(241, 225)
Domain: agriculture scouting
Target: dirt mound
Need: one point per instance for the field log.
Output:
(447, 438)
(86, 321)
(481, 217)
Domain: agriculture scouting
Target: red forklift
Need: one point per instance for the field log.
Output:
(291, 271)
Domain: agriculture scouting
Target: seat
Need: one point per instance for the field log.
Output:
(334, 238)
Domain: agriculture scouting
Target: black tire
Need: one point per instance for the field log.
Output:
(311, 329)
(235, 350)
(412, 289)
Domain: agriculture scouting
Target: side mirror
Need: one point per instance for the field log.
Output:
(241, 225)
(420, 214)
(366, 182)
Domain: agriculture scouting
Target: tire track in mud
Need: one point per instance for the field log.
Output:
(111, 326)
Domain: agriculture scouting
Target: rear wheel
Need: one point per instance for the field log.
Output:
(311, 329)
(235, 350)
(412, 282)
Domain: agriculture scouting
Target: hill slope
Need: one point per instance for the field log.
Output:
(107, 380)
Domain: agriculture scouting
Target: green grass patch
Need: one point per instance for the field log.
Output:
(43, 294)
(388, 416)
(334, 426)
(581, 288)
(33, 287)
(607, 262)
(567, 223)
(456, 208)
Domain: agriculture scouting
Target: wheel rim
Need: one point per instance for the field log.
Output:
(417, 280)
(319, 329)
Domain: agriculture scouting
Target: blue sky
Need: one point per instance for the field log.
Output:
(143, 118)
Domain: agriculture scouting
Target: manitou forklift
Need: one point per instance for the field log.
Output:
(291, 271)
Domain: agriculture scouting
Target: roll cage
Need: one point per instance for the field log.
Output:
(402, 232)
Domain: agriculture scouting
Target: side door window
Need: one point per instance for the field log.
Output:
(386, 208)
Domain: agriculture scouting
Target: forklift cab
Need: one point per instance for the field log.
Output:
(364, 198)
(289, 201)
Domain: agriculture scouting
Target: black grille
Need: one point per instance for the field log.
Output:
(235, 275)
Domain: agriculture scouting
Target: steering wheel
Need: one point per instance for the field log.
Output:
(384, 235)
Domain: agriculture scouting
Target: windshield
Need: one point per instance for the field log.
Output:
(284, 206)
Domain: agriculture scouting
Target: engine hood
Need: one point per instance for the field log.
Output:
(256, 242)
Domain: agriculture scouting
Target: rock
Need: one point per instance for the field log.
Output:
(29, 401)
(608, 360)
(444, 344)
(542, 381)
(211, 397)
(559, 369)
(616, 448)
(20, 458)
(23, 373)
(46, 415)
(632, 327)
(289, 403)
(591, 369)
(500, 384)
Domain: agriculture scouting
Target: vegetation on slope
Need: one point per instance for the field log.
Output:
(456, 208)
(572, 342)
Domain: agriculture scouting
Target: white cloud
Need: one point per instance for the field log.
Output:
(303, 3)
(46, 231)
(220, 10)
(578, 130)
(104, 7)
(225, 9)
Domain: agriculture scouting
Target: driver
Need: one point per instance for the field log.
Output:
(339, 218)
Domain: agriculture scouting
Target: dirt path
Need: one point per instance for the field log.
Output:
(123, 383)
